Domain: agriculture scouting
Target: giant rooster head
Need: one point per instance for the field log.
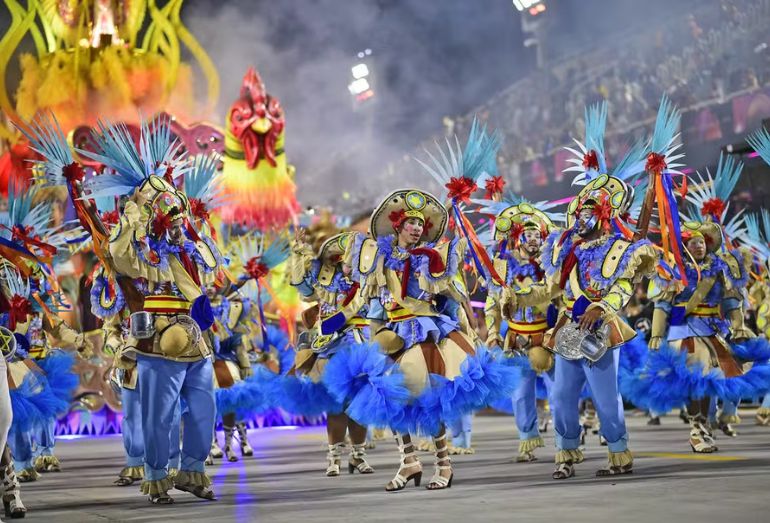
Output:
(256, 120)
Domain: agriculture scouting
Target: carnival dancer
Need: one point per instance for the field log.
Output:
(759, 292)
(592, 268)
(109, 304)
(324, 278)
(709, 348)
(11, 493)
(161, 263)
(408, 275)
(520, 230)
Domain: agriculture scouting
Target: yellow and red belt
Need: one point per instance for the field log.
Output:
(706, 311)
(161, 304)
(358, 321)
(523, 327)
(400, 314)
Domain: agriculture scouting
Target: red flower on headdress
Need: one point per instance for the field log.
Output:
(397, 218)
(169, 174)
(461, 189)
(603, 210)
(110, 217)
(494, 186)
(20, 308)
(198, 209)
(161, 224)
(591, 160)
(713, 207)
(656, 163)
(256, 269)
(73, 173)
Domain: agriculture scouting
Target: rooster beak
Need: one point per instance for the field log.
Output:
(262, 125)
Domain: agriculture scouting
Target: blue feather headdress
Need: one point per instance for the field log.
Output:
(589, 159)
(258, 254)
(128, 166)
(459, 170)
(709, 199)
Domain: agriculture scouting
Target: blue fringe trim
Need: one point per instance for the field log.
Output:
(298, 395)
(62, 382)
(368, 383)
(249, 397)
(279, 340)
(666, 382)
(483, 380)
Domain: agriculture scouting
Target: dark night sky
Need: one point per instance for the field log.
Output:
(431, 58)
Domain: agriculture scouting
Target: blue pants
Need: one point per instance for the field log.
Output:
(765, 402)
(729, 408)
(525, 403)
(131, 427)
(569, 378)
(161, 385)
(460, 430)
(21, 448)
(45, 437)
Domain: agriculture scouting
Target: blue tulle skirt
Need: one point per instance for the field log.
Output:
(665, 381)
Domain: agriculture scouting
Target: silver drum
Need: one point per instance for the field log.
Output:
(142, 325)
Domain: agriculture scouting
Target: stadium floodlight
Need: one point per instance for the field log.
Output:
(524, 5)
(359, 71)
(358, 86)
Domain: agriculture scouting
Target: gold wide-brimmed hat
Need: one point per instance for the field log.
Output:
(335, 246)
(410, 203)
(525, 215)
(711, 232)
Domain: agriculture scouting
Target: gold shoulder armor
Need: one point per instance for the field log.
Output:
(614, 256)
(206, 253)
(501, 267)
(326, 274)
(732, 263)
(368, 256)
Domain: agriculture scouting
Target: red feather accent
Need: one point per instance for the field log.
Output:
(397, 218)
(256, 269)
(494, 186)
(161, 224)
(591, 160)
(198, 209)
(169, 175)
(461, 189)
(656, 163)
(73, 173)
(603, 212)
(683, 187)
(110, 217)
(713, 207)
(21, 307)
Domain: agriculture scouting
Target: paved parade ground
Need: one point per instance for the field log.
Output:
(284, 481)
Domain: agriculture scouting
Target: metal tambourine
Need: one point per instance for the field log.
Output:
(7, 343)
(574, 344)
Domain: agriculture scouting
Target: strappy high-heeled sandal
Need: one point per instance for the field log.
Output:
(216, 451)
(700, 445)
(243, 436)
(357, 461)
(564, 470)
(229, 452)
(400, 481)
(12, 504)
(442, 463)
(333, 458)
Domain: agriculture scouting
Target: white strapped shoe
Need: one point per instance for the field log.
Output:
(400, 481)
(358, 455)
(439, 482)
(333, 459)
